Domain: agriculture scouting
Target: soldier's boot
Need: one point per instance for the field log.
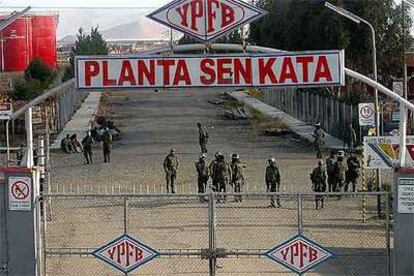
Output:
(322, 203)
(317, 204)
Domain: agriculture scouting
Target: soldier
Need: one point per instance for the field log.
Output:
(222, 173)
(272, 178)
(65, 144)
(330, 170)
(107, 144)
(236, 176)
(319, 141)
(170, 167)
(350, 138)
(318, 178)
(203, 175)
(213, 171)
(87, 142)
(340, 172)
(352, 173)
(203, 137)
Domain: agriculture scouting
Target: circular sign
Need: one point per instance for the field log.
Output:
(398, 87)
(366, 112)
(20, 190)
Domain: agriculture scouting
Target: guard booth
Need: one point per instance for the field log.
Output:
(20, 245)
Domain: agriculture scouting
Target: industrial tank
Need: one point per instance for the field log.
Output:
(44, 39)
(16, 45)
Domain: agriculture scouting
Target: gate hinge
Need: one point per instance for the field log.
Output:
(206, 254)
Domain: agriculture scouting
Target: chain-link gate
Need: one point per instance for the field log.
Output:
(203, 236)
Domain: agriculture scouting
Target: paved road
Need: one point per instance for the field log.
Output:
(152, 123)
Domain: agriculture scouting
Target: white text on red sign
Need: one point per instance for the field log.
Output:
(316, 69)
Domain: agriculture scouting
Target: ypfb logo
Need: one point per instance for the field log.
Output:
(299, 254)
(125, 253)
(206, 19)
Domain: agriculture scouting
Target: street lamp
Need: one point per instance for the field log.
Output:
(359, 20)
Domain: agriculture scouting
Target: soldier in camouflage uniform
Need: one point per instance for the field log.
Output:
(87, 143)
(319, 141)
(236, 176)
(203, 175)
(221, 175)
(330, 171)
(170, 167)
(318, 178)
(107, 145)
(203, 137)
(272, 178)
(213, 171)
(350, 138)
(352, 173)
(340, 172)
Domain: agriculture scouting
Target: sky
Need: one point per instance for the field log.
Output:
(105, 13)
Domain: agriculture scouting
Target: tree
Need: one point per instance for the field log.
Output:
(86, 44)
(37, 77)
(297, 25)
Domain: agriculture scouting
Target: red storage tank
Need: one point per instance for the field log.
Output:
(16, 44)
(44, 38)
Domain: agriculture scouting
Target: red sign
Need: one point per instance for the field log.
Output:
(297, 69)
(6, 110)
(125, 253)
(299, 254)
(206, 19)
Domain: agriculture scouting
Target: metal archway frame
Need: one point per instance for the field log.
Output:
(251, 49)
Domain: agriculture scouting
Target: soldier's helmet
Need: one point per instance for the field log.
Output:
(271, 160)
(320, 162)
(202, 156)
(235, 156)
(172, 150)
(341, 153)
(317, 124)
(198, 124)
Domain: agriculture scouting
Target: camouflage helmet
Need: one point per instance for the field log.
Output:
(271, 160)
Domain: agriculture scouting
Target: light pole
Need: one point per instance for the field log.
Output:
(359, 20)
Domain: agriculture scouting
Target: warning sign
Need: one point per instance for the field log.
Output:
(20, 194)
(366, 114)
(406, 195)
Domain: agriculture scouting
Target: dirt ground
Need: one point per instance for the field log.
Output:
(151, 124)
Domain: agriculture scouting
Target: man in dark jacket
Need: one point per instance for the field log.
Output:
(352, 174)
(87, 143)
(203, 175)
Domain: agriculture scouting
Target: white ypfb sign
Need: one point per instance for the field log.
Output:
(20, 194)
(366, 112)
(307, 69)
(406, 195)
(206, 20)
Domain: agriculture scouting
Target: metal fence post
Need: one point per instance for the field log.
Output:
(300, 214)
(387, 234)
(125, 214)
(211, 234)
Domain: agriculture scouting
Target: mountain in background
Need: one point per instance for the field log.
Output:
(114, 26)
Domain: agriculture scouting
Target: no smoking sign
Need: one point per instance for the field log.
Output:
(20, 194)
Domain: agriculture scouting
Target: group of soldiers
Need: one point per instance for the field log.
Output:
(71, 144)
(221, 173)
(338, 175)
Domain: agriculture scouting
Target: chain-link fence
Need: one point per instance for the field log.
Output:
(214, 235)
